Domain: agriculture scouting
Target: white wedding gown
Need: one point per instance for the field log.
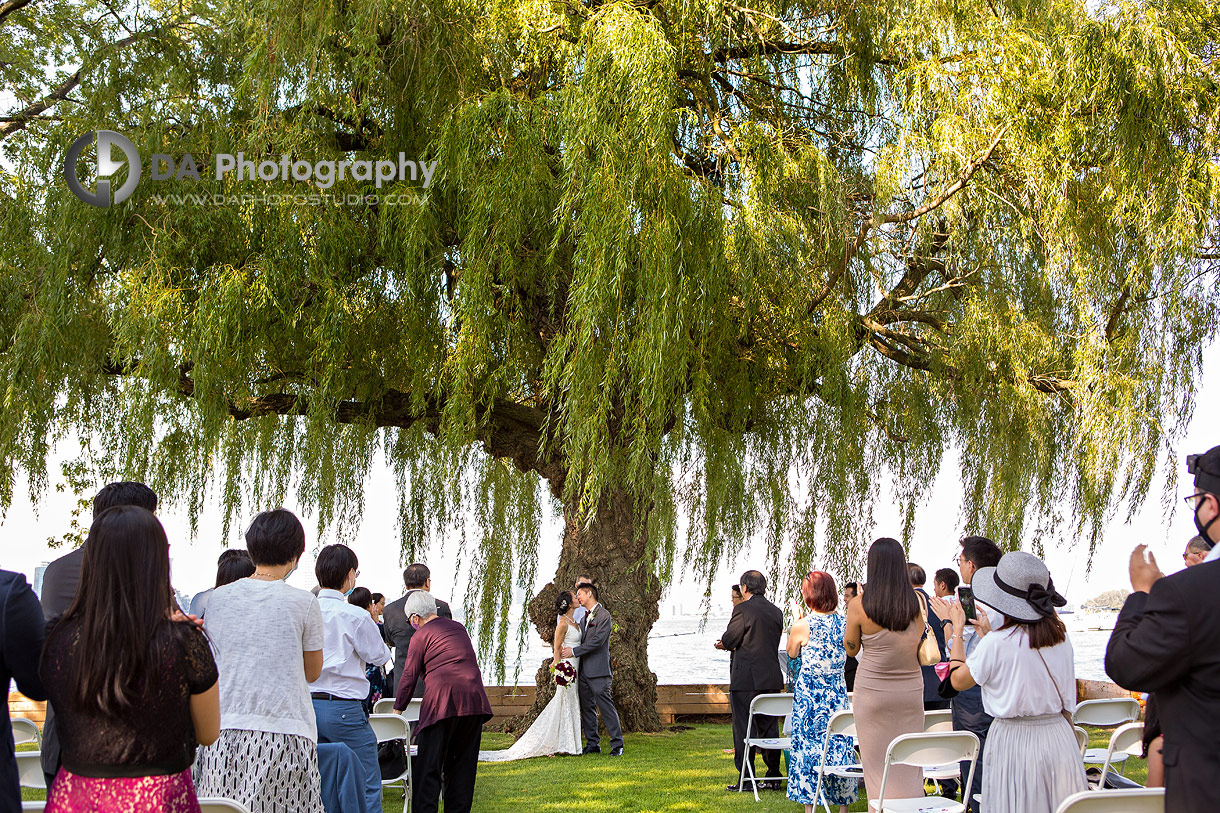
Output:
(557, 729)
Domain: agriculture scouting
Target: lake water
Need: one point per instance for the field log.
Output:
(679, 651)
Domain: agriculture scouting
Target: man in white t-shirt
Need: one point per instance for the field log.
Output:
(351, 640)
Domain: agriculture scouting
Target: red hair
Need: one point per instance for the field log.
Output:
(819, 591)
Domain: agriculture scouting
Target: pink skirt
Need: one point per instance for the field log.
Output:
(169, 793)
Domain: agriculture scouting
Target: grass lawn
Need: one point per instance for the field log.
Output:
(669, 771)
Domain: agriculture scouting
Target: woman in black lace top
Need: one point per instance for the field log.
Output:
(134, 691)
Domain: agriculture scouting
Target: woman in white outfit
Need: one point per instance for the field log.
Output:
(557, 729)
(1028, 679)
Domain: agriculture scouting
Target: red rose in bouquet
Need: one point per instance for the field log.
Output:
(565, 673)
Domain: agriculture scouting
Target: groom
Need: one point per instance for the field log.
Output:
(595, 676)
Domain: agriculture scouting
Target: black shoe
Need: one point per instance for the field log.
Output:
(616, 752)
(592, 749)
(769, 784)
(733, 788)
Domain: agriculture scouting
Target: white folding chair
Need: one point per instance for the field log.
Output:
(1126, 741)
(926, 750)
(940, 720)
(29, 770)
(216, 805)
(1126, 800)
(33, 807)
(384, 706)
(26, 731)
(841, 723)
(766, 705)
(1105, 713)
(1082, 739)
(389, 727)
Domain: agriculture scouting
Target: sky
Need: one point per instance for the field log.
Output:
(26, 526)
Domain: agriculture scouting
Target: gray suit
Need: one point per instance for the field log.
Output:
(596, 679)
(59, 585)
(398, 634)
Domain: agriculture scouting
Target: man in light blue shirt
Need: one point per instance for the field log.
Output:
(579, 613)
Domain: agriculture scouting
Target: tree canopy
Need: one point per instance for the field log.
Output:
(741, 262)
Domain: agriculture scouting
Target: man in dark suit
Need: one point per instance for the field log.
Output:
(1166, 640)
(394, 622)
(596, 678)
(59, 584)
(753, 637)
(21, 629)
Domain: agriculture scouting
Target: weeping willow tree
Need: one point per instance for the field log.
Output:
(737, 263)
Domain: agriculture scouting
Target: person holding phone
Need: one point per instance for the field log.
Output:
(977, 553)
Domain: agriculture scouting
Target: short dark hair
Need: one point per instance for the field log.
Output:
(737, 589)
(981, 551)
(361, 597)
(333, 564)
(916, 574)
(375, 597)
(126, 492)
(948, 577)
(275, 537)
(853, 587)
(818, 590)
(590, 586)
(232, 553)
(416, 576)
(234, 568)
(755, 582)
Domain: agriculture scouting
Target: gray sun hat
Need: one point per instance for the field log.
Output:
(1020, 587)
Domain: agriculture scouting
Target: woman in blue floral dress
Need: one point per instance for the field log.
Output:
(819, 692)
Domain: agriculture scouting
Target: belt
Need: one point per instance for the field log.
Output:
(329, 696)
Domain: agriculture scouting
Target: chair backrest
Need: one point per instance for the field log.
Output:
(930, 749)
(25, 731)
(29, 770)
(33, 807)
(222, 806)
(1082, 739)
(390, 727)
(1108, 711)
(842, 722)
(384, 706)
(772, 705)
(412, 711)
(1127, 739)
(1126, 800)
(938, 720)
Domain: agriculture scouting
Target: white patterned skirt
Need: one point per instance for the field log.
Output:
(1031, 764)
(267, 772)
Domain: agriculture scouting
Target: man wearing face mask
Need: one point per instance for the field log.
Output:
(1166, 641)
(350, 640)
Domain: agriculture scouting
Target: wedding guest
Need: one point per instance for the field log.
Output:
(945, 584)
(818, 692)
(969, 714)
(376, 606)
(454, 708)
(735, 595)
(232, 565)
(350, 642)
(21, 635)
(1197, 550)
(753, 637)
(851, 591)
(1028, 680)
(129, 722)
(375, 673)
(931, 681)
(59, 583)
(397, 630)
(883, 630)
(1166, 641)
(268, 641)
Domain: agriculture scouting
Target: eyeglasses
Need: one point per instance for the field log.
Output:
(1192, 499)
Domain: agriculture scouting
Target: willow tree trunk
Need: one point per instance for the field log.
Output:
(614, 551)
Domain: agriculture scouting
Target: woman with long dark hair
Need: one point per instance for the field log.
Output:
(134, 691)
(884, 628)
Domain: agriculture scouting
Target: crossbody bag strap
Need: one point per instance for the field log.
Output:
(1067, 715)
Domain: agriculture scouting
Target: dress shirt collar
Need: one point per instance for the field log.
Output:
(326, 592)
(1213, 554)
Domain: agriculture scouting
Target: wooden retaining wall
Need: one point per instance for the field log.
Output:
(673, 701)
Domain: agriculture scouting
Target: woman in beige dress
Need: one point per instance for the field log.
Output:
(883, 632)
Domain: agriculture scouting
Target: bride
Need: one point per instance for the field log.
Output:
(557, 729)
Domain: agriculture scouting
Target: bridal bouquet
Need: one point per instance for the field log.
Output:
(565, 673)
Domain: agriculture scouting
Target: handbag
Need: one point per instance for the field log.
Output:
(929, 650)
(391, 758)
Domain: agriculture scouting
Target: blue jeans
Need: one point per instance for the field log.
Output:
(345, 721)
